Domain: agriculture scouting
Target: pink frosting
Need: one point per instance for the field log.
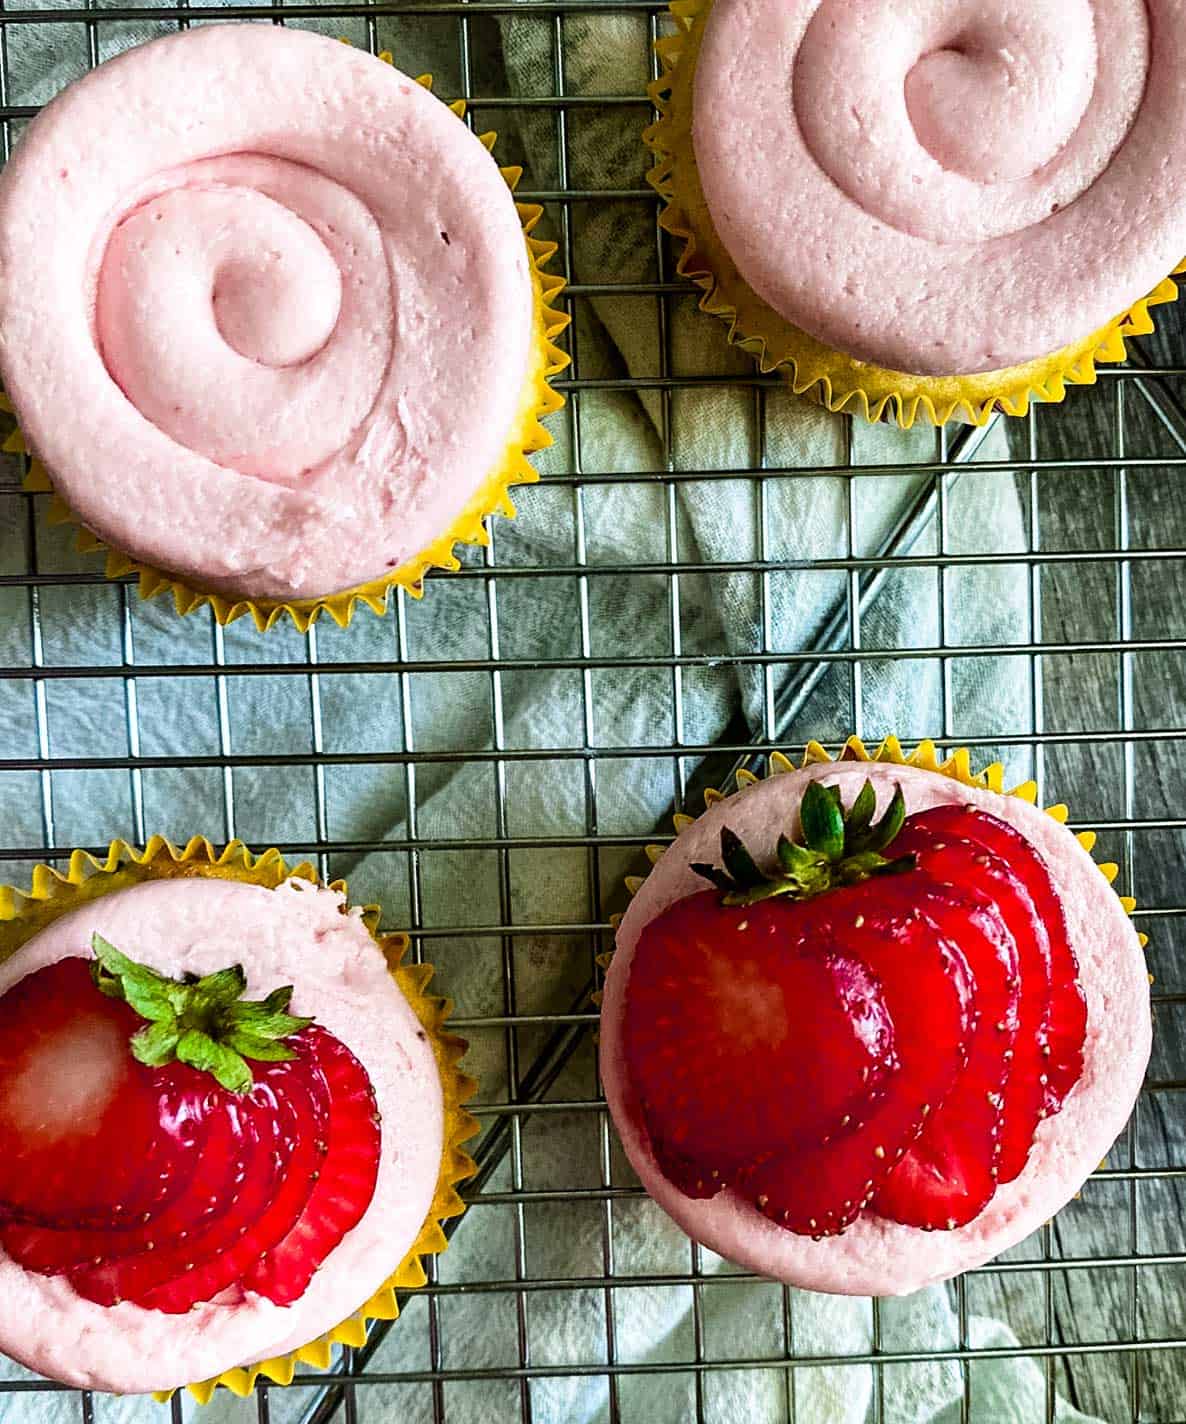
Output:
(293, 935)
(946, 186)
(266, 312)
(874, 1256)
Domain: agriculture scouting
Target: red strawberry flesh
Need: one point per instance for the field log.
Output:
(301, 1108)
(1003, 850)
(882, 1020)
(255, 1132)
(342, 1191)
(949, 1174)
(1066, 1027)
(715, 990)
(818, 1189)
(204, 1194)
(68, 1090)
(162, 1185)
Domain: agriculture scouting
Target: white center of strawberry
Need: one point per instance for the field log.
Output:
(42, 1100)
(752, 1012)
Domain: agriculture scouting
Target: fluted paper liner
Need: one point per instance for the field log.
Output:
(836, 380)
(53, 892)
(527, 436)
(925, 757)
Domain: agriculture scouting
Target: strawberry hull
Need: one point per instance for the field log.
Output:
(875, 1255)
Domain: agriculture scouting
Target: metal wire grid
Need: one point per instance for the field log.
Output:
(540, 1047)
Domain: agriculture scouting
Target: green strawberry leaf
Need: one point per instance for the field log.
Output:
(255, 1018)
(721, 879)
(823, 821)
(156, 1044)
(200, 1051)
(861, 814)
(738, 861)
(202, 1022)
(266, 1050)
(120, 978)
(796, 859)
(885, 832)
(279, 999)
(839, 848)
(224, 988)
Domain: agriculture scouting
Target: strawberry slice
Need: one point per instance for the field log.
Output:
(716, 990)
(345, 1186)
(57, 1128)
(950, 1174)
(1066, 1026)
(202, 1196)
(301, 1107)
(255, 1137)
(1036, 931)
(927, 986)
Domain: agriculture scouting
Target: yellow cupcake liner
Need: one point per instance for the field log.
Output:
(956, 767)
(527, 437)
(53, 892)
(833, 379)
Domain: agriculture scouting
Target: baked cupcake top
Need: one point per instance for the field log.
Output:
(878, 1086)
(296, 1194)
(266, 311)
(945, 188)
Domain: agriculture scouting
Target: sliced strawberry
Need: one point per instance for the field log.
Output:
(739, 1028)
(302, 1108)
(255, 1134)
(949, 1175)
(928, 989)
(997, 873)
(203, 1196)
(345, 1186)
(160, 1136)
(57, 1166)
(1066, 1026)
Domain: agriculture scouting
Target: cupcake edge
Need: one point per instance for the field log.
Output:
(833, 379)
(526, 436)
(24, 914)
(819, 1271)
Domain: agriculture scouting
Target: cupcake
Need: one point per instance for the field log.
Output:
(926, 210)
(271, 323)
(869, 1023)
(228, 1130)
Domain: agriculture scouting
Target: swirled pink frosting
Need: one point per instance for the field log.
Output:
(265, 308)
(946, 186)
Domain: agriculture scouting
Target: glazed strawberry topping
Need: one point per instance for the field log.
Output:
(161, 1139)
(879, 1023)
(207, 1185)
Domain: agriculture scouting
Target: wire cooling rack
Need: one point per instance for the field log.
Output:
(111, 717)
